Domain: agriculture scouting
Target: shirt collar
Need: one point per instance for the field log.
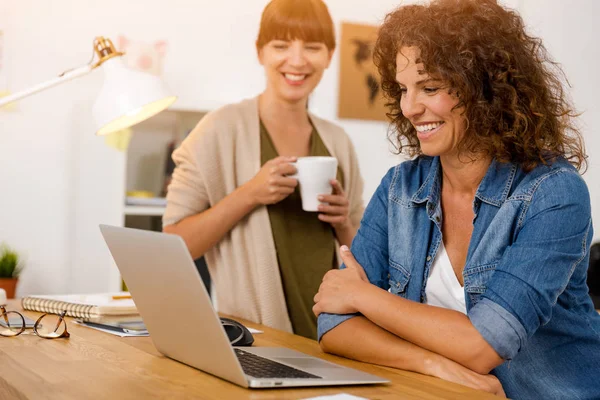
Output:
(496, 183)
(430, 189)
(493, 189)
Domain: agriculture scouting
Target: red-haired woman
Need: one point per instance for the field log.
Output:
(231, 199)
(471, 259)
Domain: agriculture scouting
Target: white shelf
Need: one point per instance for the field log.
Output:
(146, 201)
(147, 155)
(190, 109)
(144, 210)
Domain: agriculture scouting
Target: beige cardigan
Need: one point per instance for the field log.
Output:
(219, 155)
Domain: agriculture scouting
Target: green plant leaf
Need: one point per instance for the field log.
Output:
(9, 263)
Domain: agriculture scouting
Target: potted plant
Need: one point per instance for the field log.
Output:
(10, 267)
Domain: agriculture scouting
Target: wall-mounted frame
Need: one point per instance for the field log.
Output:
(360, 94)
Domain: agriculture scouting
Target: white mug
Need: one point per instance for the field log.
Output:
(314, 176)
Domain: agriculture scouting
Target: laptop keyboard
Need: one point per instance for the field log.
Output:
(260, 367)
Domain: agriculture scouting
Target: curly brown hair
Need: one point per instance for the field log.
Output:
(512, 92)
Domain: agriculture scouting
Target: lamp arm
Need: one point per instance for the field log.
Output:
(139, 96)
(64, 77)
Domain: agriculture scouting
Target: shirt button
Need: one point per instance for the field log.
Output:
(428, 258)
(388, 276)
(437, 219)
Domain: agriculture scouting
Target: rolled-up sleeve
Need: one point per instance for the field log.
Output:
(498, 327)
(370, 249)
(327, 322)
(551, 242)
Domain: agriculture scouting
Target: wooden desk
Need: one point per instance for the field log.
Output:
(97, 365)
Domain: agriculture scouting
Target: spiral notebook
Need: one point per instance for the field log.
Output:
(82, 305)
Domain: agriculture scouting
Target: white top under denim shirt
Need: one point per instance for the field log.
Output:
(443, 288)
(524, 276)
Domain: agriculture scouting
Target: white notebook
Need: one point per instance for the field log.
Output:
(82, 305)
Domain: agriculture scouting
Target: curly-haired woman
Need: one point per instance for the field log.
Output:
(470, 262)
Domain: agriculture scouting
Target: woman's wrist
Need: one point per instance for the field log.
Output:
(344, 227)
(361, 296)
(247, 197)
(345, 233)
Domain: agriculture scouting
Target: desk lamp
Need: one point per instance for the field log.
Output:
(127, 96)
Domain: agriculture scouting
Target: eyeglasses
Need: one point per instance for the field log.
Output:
(48, 326)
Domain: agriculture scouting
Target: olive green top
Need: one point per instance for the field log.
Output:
(305, 245)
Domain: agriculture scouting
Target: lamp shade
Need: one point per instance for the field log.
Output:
(127, 97)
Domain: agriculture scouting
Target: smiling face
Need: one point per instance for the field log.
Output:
(428, 104)
(293, 67)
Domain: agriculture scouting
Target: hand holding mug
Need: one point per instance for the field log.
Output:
(272, 182)
(314, 176)
(335, 207)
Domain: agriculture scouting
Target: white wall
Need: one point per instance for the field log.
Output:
(570, 34)
(58, 181)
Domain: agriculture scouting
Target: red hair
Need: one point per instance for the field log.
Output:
(306, 20)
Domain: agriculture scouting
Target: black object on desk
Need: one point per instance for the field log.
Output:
(131, 327)
(14, 320)
(203, 271)
(237, 333)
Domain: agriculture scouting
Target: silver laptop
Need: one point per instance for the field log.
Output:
(175, 306)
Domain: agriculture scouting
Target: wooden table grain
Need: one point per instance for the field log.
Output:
(96, 365)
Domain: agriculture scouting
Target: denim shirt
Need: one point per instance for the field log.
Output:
(524, 276)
